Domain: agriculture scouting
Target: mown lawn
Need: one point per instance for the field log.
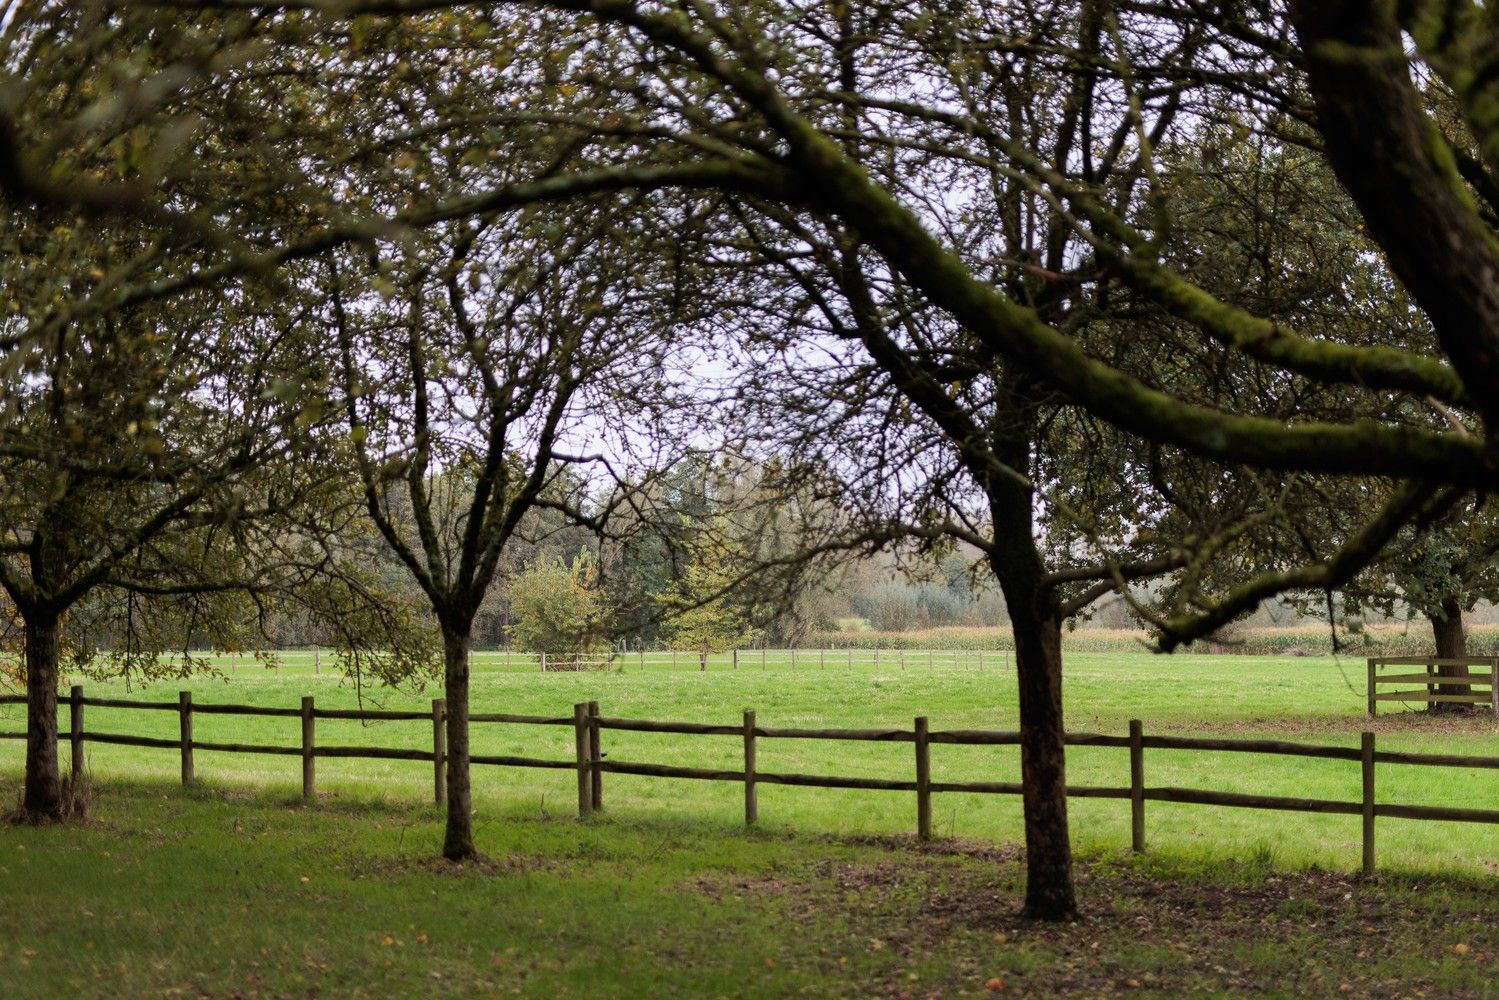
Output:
(1305, 699)
(668, 894)
(220, 893)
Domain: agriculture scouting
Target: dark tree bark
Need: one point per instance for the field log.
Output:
(1036, 623)
(1452, 644)
(1049, 893)
(458, 840)
(1384, 149)
(43, 799)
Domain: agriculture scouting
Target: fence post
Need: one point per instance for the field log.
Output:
(751, 800)
(595, 756)
(1494, 685)
(439, 750)
(75, 730)
(903, 660)
(1371, 688)
(309, 778)
(1137, 785)
(543, 663)
(923, 781)
(1367, 748)
(185, 719)
(850, 659)
(317, 660)
(822, 661)
(580, 752)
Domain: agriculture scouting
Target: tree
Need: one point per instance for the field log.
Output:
(156, 461)
(558, 608)
(702, 618)
(468, 360)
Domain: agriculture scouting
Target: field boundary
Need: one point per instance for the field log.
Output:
(588, 725)
(641, 660)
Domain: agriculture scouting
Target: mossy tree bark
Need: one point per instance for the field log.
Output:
(1451, 644)
(42, 799)
(458, 838)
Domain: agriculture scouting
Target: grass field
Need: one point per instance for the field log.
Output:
(1308, 699)
(666, 894)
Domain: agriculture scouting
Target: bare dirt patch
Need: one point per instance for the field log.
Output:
(1233, 931)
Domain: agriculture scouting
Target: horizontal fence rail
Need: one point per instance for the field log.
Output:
(589, 762)
(1434, 686)
(634, 660)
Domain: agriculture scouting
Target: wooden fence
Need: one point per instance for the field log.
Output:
(752, 659)
(1430, 687)
(590, 765)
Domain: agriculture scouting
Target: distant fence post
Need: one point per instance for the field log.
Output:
(543, 663)
(580, 752)
(1367, 747)
(185, 720)
(439, 750)
(75, 730)
(595, 756)
(317, 660)
(1137, 785)
(1494, 685)
(822, 661)
(923, 781)
(735, 653)
(1372, 704)
(309, 775)
(751, 798)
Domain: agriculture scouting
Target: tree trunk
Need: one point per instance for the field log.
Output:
(1452, 644)
(458, 841)
(1035, 621)
(1049, 893)
(43, 794)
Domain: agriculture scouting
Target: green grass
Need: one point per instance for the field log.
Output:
(218, 893)
(1307, 699)
(200, 892)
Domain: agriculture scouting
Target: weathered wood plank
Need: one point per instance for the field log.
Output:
(1279, 802)
(1279, 747)
(1465, 699)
